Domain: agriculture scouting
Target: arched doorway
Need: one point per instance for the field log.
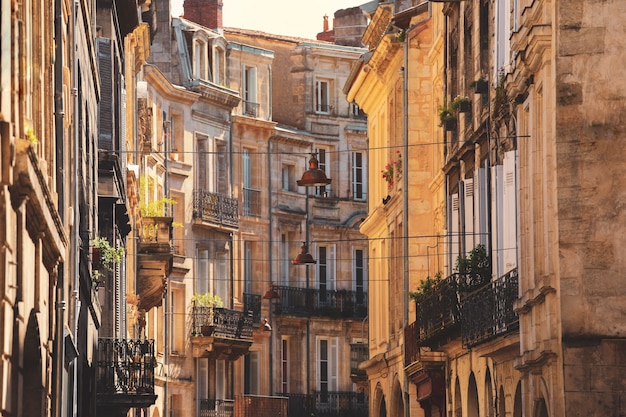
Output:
(490, 409)
(540, 408)
(32, 371)
(380, 405)
(501, 402)
(472, 397)
(517, 403)
(397, 405)
(458, 408)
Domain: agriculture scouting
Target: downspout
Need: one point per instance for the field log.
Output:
(405, 209)
(75, 222)
(167, 124)
(271, 258)
(58, 352)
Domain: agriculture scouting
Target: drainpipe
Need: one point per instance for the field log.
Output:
(58, 351)
(271, 269)
(405, 208)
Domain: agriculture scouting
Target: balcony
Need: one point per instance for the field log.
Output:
(216, 209)
(328, 404)
(251, 203)
(438, 314)
(359, 352)
(244, 406)
(321, 303)
(252, 305)
(124, 375)
(220, 333)
(488, 312)
(154, 259)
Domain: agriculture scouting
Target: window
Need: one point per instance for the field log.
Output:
(251, 370)
(358, 176)
(284, 365)
(202, 380)
(358, 261)
(247, 267)
(177, 131)
(288, 177)
(250, 103)
(222, 279)
(202, 271)
(202, 163)
(200, 59)
(322, 97)
(323, 164)
(218, 65)
(325, 271)
(284, 258)
(221, 168)
(177, 321)
(327, 361)
(251, 178)
(179, 218)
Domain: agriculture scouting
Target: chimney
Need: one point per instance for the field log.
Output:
(325, 23)
(207, 13)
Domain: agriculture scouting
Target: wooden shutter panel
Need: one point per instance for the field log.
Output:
(105, 67)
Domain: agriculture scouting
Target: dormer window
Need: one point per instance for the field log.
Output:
(218, 65)
(200, 67)
(250, 99)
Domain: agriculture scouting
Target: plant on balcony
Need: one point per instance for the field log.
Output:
(151, 208)
(500, 108)
(392, 170)
(462, 104)
(480, 85)
(474, 269)
(447, 118)
(425, 288)
(210, 302)
(104, 258)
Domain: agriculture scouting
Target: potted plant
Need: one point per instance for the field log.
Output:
(447, 117)
(104, 258)
(480, 85)
(462, 104)
(425, 288)
(392, 170)
(205, 304)
(474, 269)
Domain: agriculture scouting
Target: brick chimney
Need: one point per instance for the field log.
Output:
(207, 13)
(325, 23)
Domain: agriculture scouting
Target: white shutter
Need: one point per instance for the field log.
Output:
(332, 267)
(202, 381)
(202, 271)
(482, 206)
(222, 278)
(468, 212)
(333, 364)
(497, 187)
(220, 380)
(454, 229)
(509, 212)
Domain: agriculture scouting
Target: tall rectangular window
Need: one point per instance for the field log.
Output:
(325, 271)
(251, 370)
(221, 168)
(327, 361)
(222, 279)
(202, 380)
(358, 176)
(284, 259)
(247, 267)
(359, 275)
(202, 163)
(202, 271)
(250, 101)
(251, 179)
(322, 97)
(284, 365)
(323, 164)
(177, 321)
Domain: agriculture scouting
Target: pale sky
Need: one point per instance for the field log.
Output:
(302, 18)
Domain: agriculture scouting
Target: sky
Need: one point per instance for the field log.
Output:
(301, 18)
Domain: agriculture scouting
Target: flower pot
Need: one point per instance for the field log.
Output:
(206, 330)
(465, 106)
(480, 87)
(449, 125)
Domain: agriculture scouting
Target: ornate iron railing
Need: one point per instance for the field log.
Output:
(260, 406)
(251, 203)
(489, 312)
(209, 407)
(223, 323)
(125, 366)
(438, 313)
(252, 305)
(328, 404)
(320, 302)
(216, 208)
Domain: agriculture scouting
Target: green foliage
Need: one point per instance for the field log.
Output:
(456, 103)
(109, 256)
(207, 300)
(151, 208)
(474, 270)
(446, 113)
(425, 288)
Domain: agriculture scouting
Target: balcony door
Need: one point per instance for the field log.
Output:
(327, 364)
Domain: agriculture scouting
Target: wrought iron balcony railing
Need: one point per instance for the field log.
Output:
(216, 408)
(260, 406)
(223, 323)
(328, 404)
(216, 208)
(438, 314)
(252, 305)
(251, 203)
(318, 302)
(125, 366)
(488, 312)
(359, 352)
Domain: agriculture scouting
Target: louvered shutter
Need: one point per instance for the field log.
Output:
(105, 106)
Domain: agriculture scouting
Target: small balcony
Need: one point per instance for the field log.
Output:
(155, 259)
(252, 305)
(359, 352)
(251, 203)
(124, 375)
(321, 303)
(216, 209)
(244, 406)
(328, 404)
(438, 314)
(488, 312)
(220, 333)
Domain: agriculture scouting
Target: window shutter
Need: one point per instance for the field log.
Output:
(454, 229)
(468, 213)
(105, 67)
(509, 212)
(201, 171)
